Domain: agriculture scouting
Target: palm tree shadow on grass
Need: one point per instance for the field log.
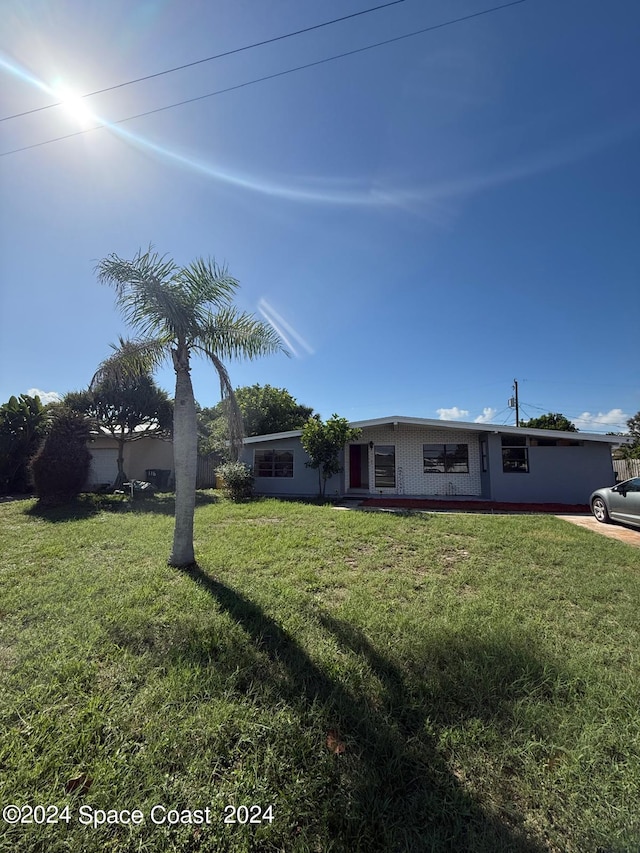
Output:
(398, 793)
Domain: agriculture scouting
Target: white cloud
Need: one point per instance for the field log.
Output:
(45, 396)
(452, 414)
(615, 420)
(487, 416)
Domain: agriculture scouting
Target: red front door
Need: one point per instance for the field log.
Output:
(358, 466)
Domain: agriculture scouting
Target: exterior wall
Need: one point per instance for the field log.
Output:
(147, 453)
(556, 474)
(410, 476)
(304, 481)
(139, 456)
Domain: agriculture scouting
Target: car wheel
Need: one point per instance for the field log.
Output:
(599, 509)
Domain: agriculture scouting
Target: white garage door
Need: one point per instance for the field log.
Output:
(104, 466)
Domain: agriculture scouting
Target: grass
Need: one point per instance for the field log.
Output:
(387, 682)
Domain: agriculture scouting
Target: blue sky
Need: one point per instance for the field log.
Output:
(424, 221)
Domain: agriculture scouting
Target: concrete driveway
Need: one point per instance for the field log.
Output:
(613, 531)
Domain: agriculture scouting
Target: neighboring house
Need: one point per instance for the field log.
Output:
(417, 457)
(141, 455)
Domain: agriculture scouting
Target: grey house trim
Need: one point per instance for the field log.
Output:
(394, 456)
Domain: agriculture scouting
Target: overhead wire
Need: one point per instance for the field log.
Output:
(571, 416)
(266, 77)
(208, 58)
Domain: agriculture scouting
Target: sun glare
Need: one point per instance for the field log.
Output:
(74, 106)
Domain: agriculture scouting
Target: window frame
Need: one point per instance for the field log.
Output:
(447, 457)
(376, 467)
(517, 443)
(289, 463)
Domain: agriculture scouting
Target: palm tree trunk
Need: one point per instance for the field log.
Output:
(185, 442)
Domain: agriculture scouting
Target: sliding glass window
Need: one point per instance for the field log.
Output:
(445, 458)
(385, 466)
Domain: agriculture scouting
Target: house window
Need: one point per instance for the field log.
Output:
(445, 458)
(555, 442)
(484, 456)
(515, 454)
(273, 463)
(385, 466)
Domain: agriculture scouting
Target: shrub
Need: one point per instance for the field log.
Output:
(237, 479)
(61, 466)
(22, 426)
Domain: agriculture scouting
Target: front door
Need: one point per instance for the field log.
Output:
(358, 466)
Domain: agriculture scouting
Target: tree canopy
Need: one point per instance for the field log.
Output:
(23, 423)
(552, 420)
(632, 451)
(323, 442)
(264, 408)
(128, 408)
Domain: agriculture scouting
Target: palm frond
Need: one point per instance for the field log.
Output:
(234, 415)
(230, 333)
(148, 293)
(130, 359)
(207, 284)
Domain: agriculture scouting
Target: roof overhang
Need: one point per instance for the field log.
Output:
(394, 421)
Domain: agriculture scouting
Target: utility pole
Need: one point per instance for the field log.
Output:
(513, 402)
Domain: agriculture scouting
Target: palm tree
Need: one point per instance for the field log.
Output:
(176, 312)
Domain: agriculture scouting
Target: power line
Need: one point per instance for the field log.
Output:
(266, 77)
(546, 411)
(208, 59)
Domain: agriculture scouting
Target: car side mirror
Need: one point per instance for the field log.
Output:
(620, 490)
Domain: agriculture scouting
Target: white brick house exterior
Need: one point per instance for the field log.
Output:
(419, 457)
(408, 441)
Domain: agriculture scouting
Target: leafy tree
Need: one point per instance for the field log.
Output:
(128, 408)
(180, 312)
(550, 421)
(61, 465)
(213, 432)
(323, 442)
(264, 409)
(632, 451)
(22, 427)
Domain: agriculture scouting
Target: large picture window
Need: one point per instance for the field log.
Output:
(515, 454)
(445, 458)
(273, 463)
(385, 466)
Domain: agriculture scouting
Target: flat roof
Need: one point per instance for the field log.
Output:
(465, 426)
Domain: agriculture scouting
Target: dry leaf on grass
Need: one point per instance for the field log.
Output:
(334, 744)
(80, 783)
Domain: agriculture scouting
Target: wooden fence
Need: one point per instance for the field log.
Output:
(626, 469)
(206, 476)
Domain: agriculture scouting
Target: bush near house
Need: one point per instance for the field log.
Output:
(22, 427)
(237, 480)
(61, 466)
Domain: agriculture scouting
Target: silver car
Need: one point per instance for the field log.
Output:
(618, 503)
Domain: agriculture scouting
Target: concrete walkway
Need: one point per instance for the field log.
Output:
(613, 531)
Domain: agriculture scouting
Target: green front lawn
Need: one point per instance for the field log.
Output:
(385, 682)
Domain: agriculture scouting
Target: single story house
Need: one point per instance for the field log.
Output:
(143, 454)
(418, 457)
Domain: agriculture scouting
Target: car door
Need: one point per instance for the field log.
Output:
(624, 503)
